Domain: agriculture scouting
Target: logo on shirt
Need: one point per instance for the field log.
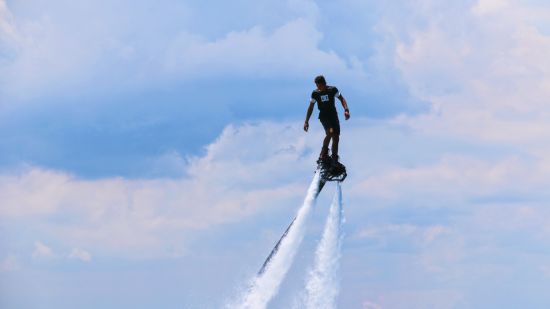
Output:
(324, 98)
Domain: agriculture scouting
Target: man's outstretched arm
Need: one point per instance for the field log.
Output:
(345, 105)
(308, 115)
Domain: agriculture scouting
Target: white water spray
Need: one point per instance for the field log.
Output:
(322, 285)
(266, 285)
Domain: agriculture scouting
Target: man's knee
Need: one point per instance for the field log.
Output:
(331, 132)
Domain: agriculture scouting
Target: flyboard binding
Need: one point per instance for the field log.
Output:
(330, 170)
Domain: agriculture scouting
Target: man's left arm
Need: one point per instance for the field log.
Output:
(345, 105)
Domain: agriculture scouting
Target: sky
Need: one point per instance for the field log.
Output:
(151, 153)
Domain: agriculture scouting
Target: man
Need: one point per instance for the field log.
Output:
(324, 97)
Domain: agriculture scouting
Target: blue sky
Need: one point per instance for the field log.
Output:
(152, 153)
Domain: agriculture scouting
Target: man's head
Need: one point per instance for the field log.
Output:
(320, 82)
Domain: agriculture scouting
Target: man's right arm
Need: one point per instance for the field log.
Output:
(308, 115)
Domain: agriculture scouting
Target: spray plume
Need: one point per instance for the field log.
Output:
(322, 283)
(266, 284)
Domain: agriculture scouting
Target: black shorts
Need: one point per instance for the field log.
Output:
(331, 122)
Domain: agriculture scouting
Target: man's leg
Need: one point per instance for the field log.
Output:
(324, 151)
(335, 141)
(326, 141)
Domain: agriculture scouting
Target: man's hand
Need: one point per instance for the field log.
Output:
(306, 126)
(345, 106)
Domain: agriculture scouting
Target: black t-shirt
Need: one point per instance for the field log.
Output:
(325, 101)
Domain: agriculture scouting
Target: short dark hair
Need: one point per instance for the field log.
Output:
(320, 80)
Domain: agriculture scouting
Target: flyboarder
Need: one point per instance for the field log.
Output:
(324, 97)
(328, 167)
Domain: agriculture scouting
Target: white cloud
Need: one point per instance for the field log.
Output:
(290, 50)
(80, 254)
(254, 168)
(433, 232)
(8, 31)
(10, 263)
(307, 8)
(487, 83)
(371, 305)
(56, 53)
(136, 217)
(456, 177)
(421, 235)
(489, 6)
(35, 192)
(418, 298)
(41, 251)
(545, 270)
(53, 51)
